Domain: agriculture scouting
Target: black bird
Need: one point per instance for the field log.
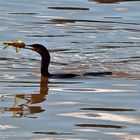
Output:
(45, 55)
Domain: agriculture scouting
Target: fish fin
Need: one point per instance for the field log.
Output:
(17, 49)
(5, 46)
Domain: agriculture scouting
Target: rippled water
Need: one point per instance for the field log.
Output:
(82, 36)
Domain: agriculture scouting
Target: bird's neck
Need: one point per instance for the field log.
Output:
(45, 65)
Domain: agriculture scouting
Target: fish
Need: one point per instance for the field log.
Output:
(17, 44)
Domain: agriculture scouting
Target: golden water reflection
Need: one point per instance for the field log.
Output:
(28, 108)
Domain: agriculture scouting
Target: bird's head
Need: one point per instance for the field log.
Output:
(37, 48)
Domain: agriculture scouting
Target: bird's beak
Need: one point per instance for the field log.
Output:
(30, 47)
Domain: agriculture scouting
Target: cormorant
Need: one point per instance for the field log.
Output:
(45, 55)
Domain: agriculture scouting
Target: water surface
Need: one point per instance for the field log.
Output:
(82, 36)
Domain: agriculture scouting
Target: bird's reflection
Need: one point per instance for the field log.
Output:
(28, 108)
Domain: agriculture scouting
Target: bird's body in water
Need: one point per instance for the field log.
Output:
(45, 60)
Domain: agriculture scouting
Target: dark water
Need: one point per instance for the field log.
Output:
(82, 36)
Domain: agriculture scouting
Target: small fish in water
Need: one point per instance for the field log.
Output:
(18, 44)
